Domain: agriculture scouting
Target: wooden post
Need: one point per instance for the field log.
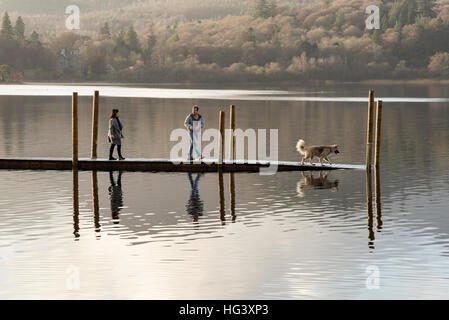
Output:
(95, 103)
(75, 130)
(232, 127)
(221, 127)
(378, 134)
(369, 131)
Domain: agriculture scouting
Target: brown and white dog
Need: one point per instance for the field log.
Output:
(322, 152)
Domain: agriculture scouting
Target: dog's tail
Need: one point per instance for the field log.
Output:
(300, 146)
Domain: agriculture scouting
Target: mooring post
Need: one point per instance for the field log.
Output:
(369, 131)
(221, 127)
(378, 134)
(75, 130)
(95, 103)
(232, 127)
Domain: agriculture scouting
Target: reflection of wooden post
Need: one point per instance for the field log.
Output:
(369, 131)
(76, 204)
(232, 195)
(95, 202)
(232, 127)
(221, 127)
(369, 206)
(75, 130)
(93, 153)
(378, 200)
(221, 196)
(378, 133)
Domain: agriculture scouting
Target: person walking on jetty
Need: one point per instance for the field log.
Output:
(115, 135)
(194, 123)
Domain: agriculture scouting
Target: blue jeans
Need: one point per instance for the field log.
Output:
(194, 144)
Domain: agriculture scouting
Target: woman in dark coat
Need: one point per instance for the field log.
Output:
(115, 135)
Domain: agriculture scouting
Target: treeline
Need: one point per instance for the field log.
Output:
(321, 40)
(19, 53)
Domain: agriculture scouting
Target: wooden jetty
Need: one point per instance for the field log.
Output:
(164, 165)
(182, 165)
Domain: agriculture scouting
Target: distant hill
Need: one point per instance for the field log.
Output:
(48, 16)
(55, 6)
(229, 40)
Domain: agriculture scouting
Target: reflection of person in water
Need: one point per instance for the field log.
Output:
(116, 196)
(322, 182)
(194, 206)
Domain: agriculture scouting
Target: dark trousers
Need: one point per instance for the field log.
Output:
(119, 150)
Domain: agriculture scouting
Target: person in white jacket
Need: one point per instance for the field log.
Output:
(194, 123)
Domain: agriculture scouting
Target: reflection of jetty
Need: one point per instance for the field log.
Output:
(166, 165)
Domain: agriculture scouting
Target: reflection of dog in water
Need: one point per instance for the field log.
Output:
(322, 152)
(320, 182)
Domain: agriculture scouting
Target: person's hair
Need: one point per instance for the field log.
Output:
(196, 107)
(114, 113)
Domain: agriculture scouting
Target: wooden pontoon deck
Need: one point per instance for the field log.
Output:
(164, 165)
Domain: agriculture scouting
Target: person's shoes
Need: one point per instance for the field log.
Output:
(190, 158)
(112, 158)
(121, 158)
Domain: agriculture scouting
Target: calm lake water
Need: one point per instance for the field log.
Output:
(291, 235)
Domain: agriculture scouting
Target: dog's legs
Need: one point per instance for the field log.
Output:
(310, 160)
(321, 161)
(302, 161)
(327, 160)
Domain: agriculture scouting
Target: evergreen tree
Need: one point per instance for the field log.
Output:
(131, 39)
(34, 38)
(275, 41)
(250, 35)
(148, 51)
(339, 20)
(19, 29)
(119, 40)
(376, 37)
(426, 8)
(406, 12)
(7, 29)
(265, 9)
(105, 33)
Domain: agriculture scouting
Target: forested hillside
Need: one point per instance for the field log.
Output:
(226, 40)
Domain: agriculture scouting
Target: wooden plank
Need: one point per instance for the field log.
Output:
(207, 165)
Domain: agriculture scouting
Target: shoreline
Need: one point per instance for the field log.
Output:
(417, 81)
